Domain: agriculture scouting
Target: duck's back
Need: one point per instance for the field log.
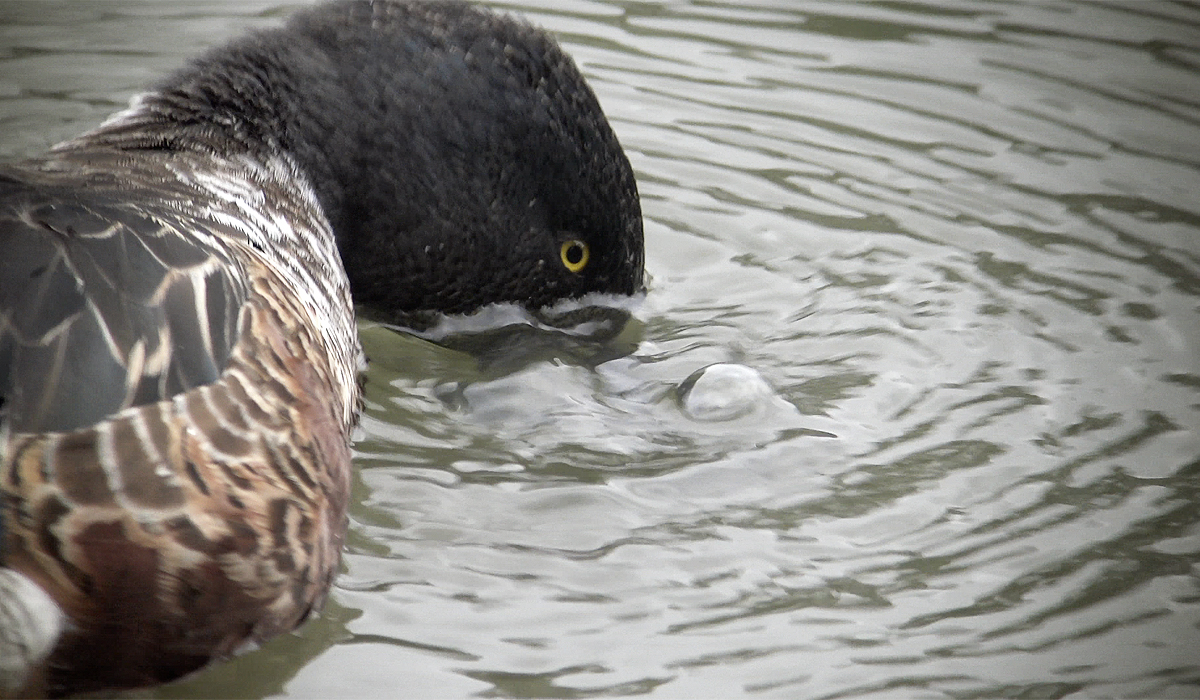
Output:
(176, 422)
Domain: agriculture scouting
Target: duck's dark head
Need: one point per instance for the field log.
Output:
(459, 154)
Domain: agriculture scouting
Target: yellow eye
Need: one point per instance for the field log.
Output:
(574, 255)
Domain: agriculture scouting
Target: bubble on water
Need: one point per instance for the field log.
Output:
(725, 391)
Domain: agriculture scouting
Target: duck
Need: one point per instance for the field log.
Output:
(180, 371)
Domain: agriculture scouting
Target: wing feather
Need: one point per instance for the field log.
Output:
(106, 304)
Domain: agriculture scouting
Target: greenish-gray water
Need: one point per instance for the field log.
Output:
(951, 252)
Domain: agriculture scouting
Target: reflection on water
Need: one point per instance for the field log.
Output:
(959, 242)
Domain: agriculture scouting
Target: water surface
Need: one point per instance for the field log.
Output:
(960, 243)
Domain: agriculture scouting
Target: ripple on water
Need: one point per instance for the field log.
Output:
(909, 407)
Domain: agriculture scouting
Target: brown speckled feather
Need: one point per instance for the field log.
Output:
(224, 503)
(214, 495)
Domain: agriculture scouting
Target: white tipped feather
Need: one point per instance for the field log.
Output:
(30, 623)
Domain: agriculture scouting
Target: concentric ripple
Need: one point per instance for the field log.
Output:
(953, 247)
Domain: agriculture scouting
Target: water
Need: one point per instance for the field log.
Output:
(958, 243)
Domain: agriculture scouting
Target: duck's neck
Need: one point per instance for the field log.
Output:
(435, 138)
(264, 101)
(252, 160)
